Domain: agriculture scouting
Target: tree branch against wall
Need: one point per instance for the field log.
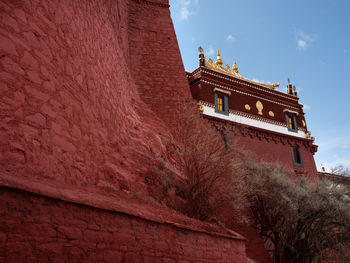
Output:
(212, 171)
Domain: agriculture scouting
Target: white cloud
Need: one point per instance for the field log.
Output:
(185, 13)
(262, 81)
(210, 51)
(230, 38)
(196, 2)
(185, 9)
(302, 44)
(307, 107)
(304, 40)
(334, 150)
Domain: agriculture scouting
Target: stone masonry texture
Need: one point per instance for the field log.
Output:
(35, 228)
(71, 108)
(85, 88)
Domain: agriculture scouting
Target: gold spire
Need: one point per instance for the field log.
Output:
(218, 61)
(235, 67)
(217, 66)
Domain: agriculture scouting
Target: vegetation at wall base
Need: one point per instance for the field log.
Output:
(299, 221)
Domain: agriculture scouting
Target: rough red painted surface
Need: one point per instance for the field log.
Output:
(34, 228)
(70, 107)
(82, 88)
(155, 58)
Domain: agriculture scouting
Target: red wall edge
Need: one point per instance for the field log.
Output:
(35, 228)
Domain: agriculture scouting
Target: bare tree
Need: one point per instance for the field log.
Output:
(305, 222)
(341, 170)
(212, 171)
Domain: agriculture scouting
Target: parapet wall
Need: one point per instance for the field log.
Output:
(89, 227)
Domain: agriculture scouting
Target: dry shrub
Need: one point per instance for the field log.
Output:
(211, 170)
(305, 222)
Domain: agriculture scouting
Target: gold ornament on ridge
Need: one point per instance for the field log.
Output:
(218, 66)
(218, 61)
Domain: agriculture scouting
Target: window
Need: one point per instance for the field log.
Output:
(291, 122)
(221, 103)
(296, 156)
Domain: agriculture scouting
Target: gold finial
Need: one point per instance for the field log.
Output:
(276, 85)
(235, 67)
(218, 61)
(308, 135)
(200, 107)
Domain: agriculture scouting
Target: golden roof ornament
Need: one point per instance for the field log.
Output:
(217, 66)
(308, 135)
(235, 67)
(218, 61)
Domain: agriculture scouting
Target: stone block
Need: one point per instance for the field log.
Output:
(29, 60)
(37, 120)
(11, 66)
(36, 93)
(7, 46)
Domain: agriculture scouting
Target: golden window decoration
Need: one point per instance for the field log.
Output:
(220, 103)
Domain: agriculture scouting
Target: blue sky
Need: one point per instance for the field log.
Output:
(307, 41)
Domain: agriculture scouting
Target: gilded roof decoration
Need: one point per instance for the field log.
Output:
(218, 66)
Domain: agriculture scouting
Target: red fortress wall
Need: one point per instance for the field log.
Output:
(82, 86)
(87, 227)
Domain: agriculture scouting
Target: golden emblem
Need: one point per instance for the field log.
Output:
(308, 135)
(200, 107)
(303, 123)
(271, 114)
(260, 107)
(247, 107)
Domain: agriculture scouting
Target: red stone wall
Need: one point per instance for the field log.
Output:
(156, 62)
(85, 88)
(271, 147)
(70, 110)
(34, 228)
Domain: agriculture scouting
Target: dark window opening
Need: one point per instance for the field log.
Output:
(296, 155)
